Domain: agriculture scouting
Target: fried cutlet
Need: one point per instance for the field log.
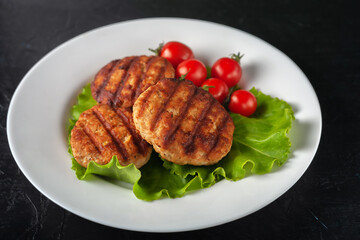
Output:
(184, 123)
(120, 82)
(102, 132)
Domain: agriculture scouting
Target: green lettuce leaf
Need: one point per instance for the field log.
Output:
(85, 101)
(156, 181)
(113, 169)
(259, 142)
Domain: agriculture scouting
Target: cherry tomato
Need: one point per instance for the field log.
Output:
(194, 70)
(176, 52)
(243, 102)
(219, 90)
(228, 70)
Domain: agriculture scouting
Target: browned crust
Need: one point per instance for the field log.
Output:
(185, 124)
(120, 82)
(103, 132)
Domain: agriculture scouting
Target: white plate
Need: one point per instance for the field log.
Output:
(40, 107)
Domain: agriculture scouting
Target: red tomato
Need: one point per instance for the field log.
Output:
(243, 102)
(176, 52)
(228, 70)
(194, 70)
(219, 90)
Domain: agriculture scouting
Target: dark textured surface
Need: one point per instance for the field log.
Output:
(322, 37)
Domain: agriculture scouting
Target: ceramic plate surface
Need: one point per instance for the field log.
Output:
(39, 112)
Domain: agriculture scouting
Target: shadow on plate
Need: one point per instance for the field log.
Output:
(118, 183)
(250, 73)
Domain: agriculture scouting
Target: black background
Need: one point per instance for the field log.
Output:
(323, 39)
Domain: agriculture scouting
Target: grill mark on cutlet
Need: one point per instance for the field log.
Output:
(153, 58)
(189, 146)
(145, 96)
(139, 80)
(115, 99)
(169, 136)
(218, 132)
(160, 75)
(162, 71)
(108, 73)
(87, 132)
(138, 91)
(163, 107)
(137, 140)
(118, 144)
(123, 65)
